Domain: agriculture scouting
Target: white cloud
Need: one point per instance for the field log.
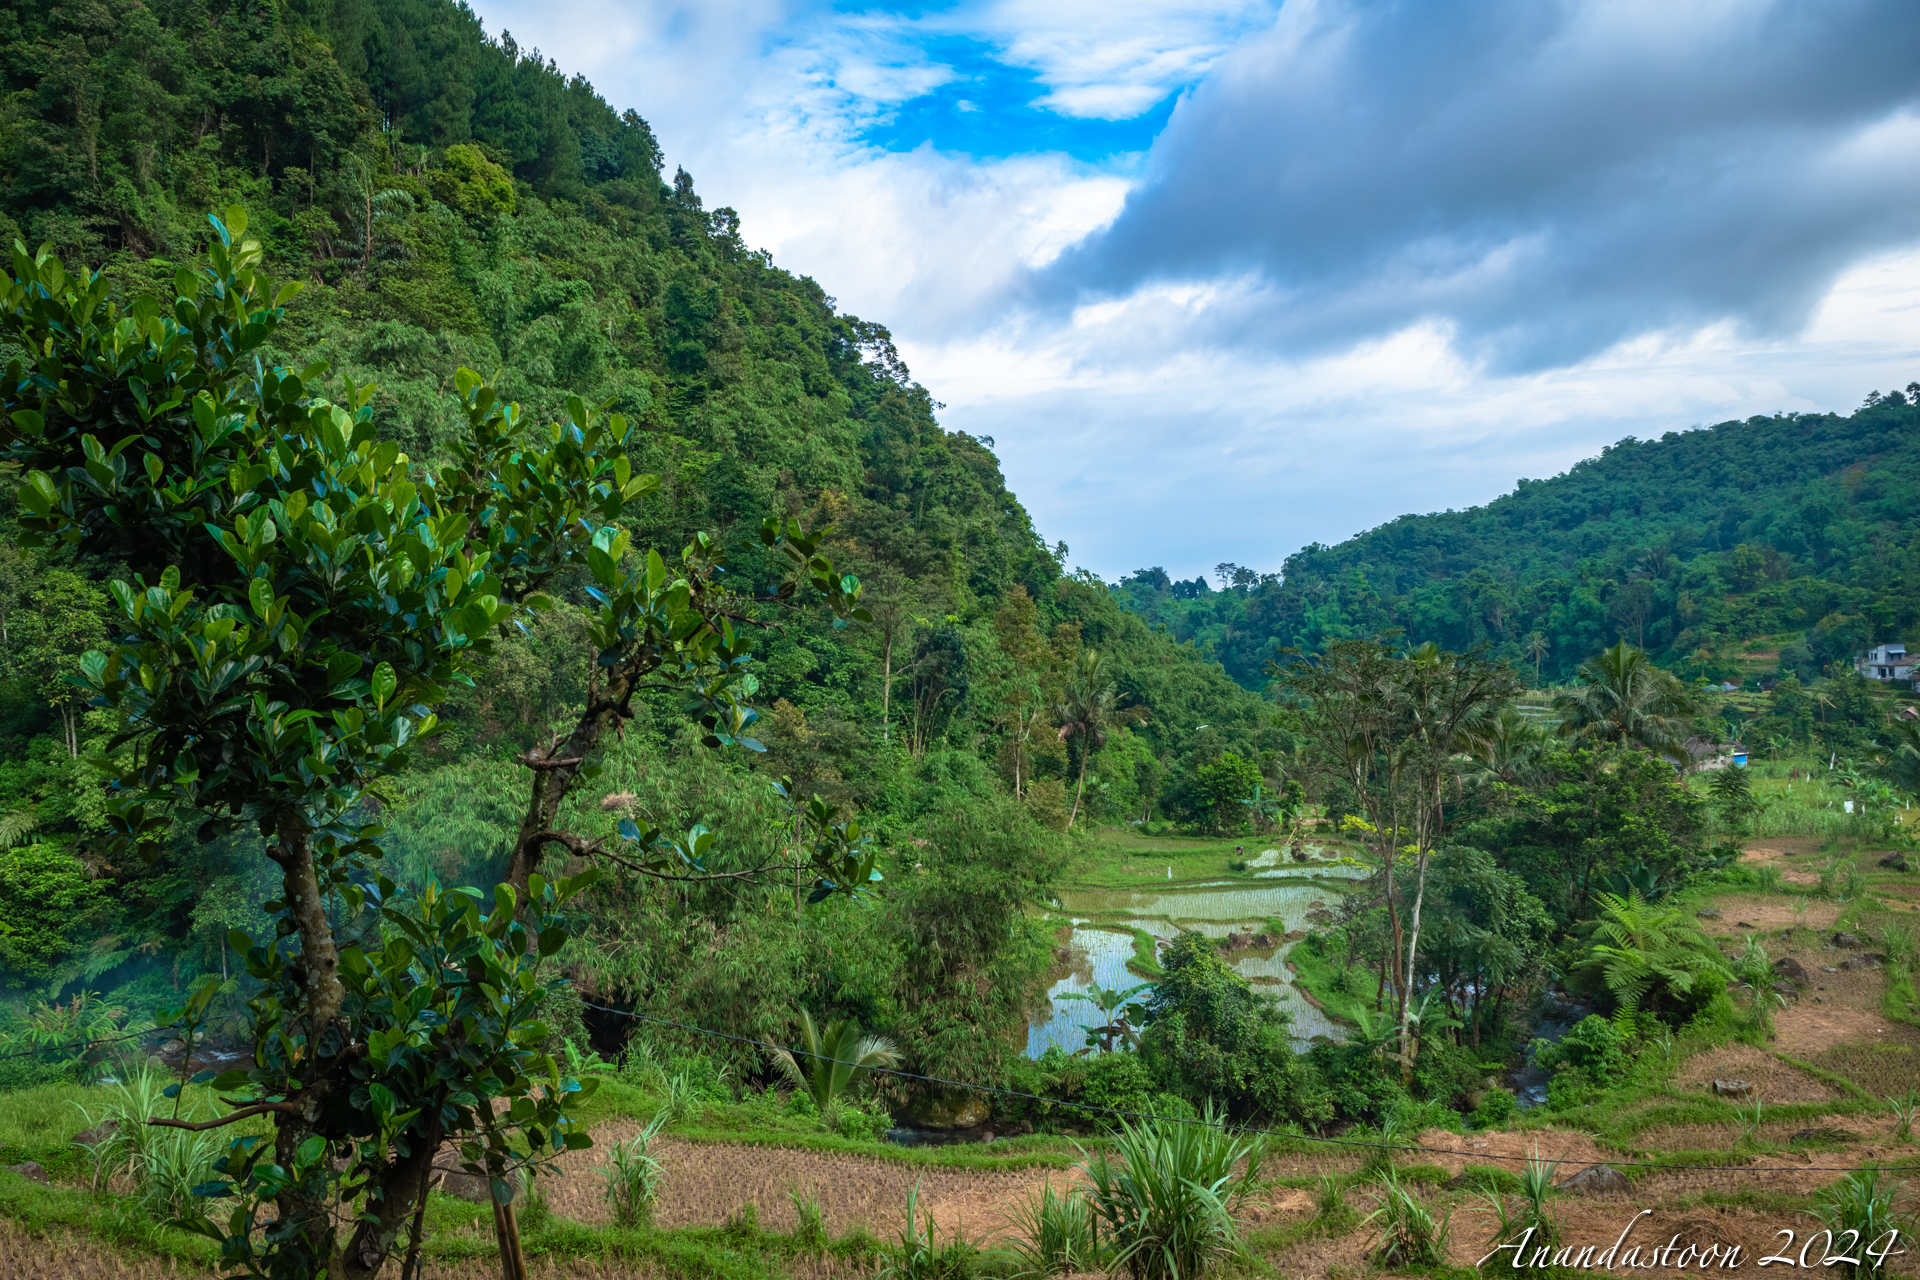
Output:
(1204, 404)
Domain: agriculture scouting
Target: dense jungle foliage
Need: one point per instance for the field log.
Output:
(454, 202)
(1800, 526)
(449, 201)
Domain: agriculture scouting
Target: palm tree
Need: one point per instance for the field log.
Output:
(1510, 748)
(836, 1058)
(1090, 712)
(1623, 698)
(1537, 647)
(1645, 951)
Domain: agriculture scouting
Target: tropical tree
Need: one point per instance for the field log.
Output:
(1537, 647)
(1090, 711)
(1112, 1004)
(1511, 747)
(1647, 952)
(296, 599)
(1621, 697)
(837, 1057)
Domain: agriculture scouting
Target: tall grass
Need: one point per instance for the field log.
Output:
(1410, 1236)
(1863, 1203)
(1168, 1196)
(634, 1175)
(164, 1164)
(918, 1254)
(1061, 1236)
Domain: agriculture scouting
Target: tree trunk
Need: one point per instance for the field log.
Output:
(319, 983)
(1078, 788)
(398, 1194)
(886, 696)
(1407, 1044)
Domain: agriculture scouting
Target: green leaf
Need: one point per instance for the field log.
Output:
(384, 683)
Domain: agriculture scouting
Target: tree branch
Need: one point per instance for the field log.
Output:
(202, 1126)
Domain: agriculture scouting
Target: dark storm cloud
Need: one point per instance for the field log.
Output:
(1547, 177)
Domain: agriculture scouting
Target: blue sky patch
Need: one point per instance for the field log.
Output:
(987, 111)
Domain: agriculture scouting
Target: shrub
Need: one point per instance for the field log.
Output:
(1497, 1106)
(1209, 1036)
(165, 1164)
(1587, 1059)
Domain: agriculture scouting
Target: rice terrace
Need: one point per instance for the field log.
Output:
(533, 745)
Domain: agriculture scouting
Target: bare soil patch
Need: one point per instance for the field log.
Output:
(1777, 1081)
(708, 1183)
(1769, 913)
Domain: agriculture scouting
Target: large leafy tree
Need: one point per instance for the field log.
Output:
(298, 598)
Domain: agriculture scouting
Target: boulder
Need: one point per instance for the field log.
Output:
(1896, 860)
(98, 1134)
(1857, 962)
(1735, 1089)
(950, 1109)
(1598, 1177)
(1786, 989)
(1844, 940)
(1792, 970)
(31, 1171)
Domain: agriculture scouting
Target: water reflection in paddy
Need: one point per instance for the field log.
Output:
(1103, 941)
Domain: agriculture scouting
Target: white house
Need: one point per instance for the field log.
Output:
(1887, 661)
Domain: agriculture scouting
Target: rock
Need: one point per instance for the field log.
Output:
(950, 1109)
(1742, 924)
(1825, 1134)
(1264, 940)
(1734, 1089)
(1792, 970)
(1827, 968)
(1292, 935)
(1597, 1177)
(98, 1134)
(1895, 860)
(31, 1171)
(1786, 988)
(1844, 940)
(1857, 962)
(1708, 914)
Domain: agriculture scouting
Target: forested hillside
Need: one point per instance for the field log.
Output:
(450, 200)
(1802, 526)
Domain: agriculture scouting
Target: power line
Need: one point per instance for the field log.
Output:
(86, 1044)
(1247, 1129)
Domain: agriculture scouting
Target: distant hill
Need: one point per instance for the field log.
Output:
(1799, 526)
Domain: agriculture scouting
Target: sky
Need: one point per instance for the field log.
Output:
(1223, 280)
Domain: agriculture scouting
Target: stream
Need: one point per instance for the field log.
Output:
(1103, 940)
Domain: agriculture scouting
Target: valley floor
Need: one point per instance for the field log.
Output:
(1840, 1048)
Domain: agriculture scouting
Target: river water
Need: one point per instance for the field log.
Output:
(1103, 939)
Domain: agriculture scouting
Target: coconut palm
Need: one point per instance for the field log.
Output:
(1510, 747)
(836, 1058)
(1645, 951)
(1537, 647)
(1621, 697)
(1089, 712)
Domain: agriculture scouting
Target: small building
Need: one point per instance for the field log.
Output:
(1706, 755)
(1888, 661)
